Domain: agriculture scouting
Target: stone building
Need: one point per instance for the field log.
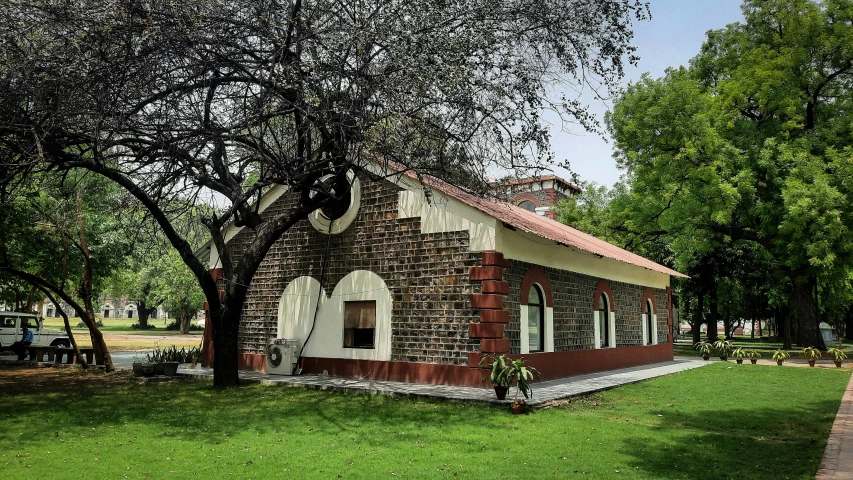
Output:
(419, 290)
(536, 194)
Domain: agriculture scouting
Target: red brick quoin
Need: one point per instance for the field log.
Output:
(490, 302)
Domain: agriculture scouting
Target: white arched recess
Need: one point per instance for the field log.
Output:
(646, 329)
(296, 314)
(549, 327)
(611, 326)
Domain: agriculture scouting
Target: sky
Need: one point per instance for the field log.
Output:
(671, 38)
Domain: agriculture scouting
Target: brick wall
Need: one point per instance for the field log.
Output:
(427, 274)
(574, 294)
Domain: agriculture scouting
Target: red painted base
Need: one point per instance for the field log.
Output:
(551, 365)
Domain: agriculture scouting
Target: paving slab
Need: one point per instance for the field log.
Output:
(542, 391)
(837, 459)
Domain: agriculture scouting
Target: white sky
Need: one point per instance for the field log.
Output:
(672, 37)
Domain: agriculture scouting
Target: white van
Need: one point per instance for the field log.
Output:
(10, 331)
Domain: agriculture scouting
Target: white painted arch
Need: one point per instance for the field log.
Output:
(296, 315)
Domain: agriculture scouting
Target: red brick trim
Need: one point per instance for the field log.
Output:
(485, 330)
(493, 286)
(536, 274)
(648, 295)
(485, 300)
(490, 302)
(494, 259)
(551, 365)
(603, 287)
(494, 316)
(525, 196)
(478, 274)
(252, 361)
(670, 320)
(412, 372)
(217, 273)
(494, 345)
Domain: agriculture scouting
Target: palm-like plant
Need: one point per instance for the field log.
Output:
(521, 375)
(722, 346)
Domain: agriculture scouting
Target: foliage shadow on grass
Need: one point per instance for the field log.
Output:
(783, 442)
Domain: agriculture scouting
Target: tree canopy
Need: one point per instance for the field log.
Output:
(209, 99)
(752, 143)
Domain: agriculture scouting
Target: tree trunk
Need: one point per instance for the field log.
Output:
(808, 319)
(30, 300)
(752, 329)
(696, 321)
(80, 358)
(225, 359)
(185, 322)
(144, 314)
(713, 307)
(848, 324)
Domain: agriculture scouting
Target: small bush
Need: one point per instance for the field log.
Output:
(136, 326)
(172, 354)
(99, 323)
(177, 326)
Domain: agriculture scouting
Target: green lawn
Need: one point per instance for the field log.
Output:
(715, 422)
(117, 325)
(766, 348)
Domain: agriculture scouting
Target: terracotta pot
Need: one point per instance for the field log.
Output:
(779, 362)
(705, 357)
(838, 364)
(753, 360)
(739, 361)
(500, 391)
(518, 407)
(137, 369)
(811, 363)
(724, 358)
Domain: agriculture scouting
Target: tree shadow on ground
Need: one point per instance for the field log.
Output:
(782, 442)
(195, 411)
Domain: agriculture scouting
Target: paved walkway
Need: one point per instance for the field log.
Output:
(542, 392)
(837, 459)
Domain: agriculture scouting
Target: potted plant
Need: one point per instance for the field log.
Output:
(780, 356)
(837, 354)
(704, 347)
(521, 375)
(497, 367)
(753, 355)
(723, 347)
(811, 354)
(739, 354)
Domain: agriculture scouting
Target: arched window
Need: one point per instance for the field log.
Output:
(536, 319)
(604, 321)
(527, 205)
(650, 327)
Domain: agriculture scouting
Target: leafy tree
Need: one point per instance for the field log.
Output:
(59, 235)
(180, 100)
(752, 144)
(178, 287)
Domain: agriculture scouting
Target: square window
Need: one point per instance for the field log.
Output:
(359, 324)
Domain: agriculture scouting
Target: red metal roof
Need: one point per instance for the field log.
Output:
(542, 226)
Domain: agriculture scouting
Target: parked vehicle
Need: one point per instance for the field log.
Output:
(10, 331)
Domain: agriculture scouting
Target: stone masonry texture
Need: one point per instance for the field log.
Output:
(573, 309)
(427, 275)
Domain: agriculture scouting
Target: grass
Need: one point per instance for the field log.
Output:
(118, 325)
(719, 421)
(685, 348)
(120, 337)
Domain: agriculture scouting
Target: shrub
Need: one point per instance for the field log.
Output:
(99, 323)
(177, 326)
(172, 354)
(136, 326)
